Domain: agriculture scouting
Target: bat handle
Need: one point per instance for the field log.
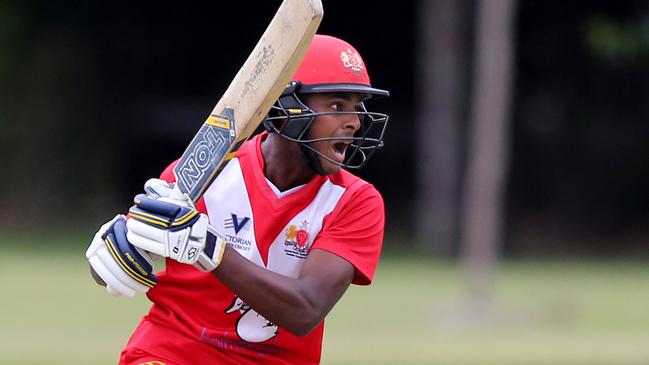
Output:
(179, 195)
(171, 191)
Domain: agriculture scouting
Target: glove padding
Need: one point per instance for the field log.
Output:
(173, 228)
(123, 268)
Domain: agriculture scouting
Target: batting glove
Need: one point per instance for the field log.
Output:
(173, 228)
(124, 269)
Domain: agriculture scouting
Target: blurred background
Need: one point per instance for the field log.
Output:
(515, 170)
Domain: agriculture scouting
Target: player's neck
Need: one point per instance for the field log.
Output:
(283, 163)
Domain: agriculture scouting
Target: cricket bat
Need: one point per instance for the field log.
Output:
(251, 94)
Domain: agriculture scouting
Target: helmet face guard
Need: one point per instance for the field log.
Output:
(292, 118)
(330, 65)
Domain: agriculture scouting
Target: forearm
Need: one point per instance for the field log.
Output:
(286, 301)
(297, 304)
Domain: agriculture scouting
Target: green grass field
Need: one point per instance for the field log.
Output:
(566, 312)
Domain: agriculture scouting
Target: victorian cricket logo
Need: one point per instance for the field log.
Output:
(297, 239)
(235, 223)
(240, 242)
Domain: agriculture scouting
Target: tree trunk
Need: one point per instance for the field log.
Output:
(482, 208)
(441, 70)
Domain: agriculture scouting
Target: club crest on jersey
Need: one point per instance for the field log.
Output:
(351, 60)
(296, 240)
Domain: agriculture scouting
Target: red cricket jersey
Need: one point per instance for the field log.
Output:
(195, 319)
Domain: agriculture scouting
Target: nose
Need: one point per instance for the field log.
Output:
(352, 121)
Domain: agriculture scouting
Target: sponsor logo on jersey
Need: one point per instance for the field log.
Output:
(251, 326)
(236, 224)
(296, 240)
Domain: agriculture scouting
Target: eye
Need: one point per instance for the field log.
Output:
(336, 106)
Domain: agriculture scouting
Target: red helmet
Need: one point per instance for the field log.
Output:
(333, 65)
(330, 65)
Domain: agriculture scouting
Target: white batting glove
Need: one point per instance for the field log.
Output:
(165, 191)
(124, 269)
(165, 223)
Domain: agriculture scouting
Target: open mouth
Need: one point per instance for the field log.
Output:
(339, 149)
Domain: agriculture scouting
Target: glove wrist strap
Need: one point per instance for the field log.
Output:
(211, 256)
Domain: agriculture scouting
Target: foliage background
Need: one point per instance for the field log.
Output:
(97, 97)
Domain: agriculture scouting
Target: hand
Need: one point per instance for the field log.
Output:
(121, 267)
(168, 225)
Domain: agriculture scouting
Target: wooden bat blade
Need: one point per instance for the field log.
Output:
(251, 94)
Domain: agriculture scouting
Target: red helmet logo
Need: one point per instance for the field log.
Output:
(351, 59)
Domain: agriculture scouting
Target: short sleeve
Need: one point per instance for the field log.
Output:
(354, 231)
